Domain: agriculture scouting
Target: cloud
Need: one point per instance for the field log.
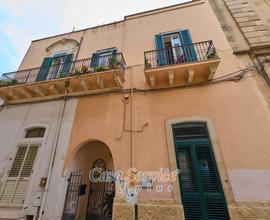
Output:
(25, 20)
(21, 22)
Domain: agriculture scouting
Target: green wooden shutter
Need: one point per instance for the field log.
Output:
(94, 60)
(44, 69)
(114, 51)
(201, 189)
(161, 52)
(187, 45)
(67, 65)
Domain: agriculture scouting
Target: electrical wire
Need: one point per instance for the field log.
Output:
(234, 76)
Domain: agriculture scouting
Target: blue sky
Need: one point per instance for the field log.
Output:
(22, 21)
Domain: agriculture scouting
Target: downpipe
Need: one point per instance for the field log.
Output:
(41, 211)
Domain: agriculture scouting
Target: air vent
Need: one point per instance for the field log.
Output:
(190, 130)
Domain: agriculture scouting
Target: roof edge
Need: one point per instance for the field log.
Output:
(127, 17)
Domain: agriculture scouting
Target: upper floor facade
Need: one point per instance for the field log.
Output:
(167, 45)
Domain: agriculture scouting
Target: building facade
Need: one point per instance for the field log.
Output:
(246, 25)
(157, 92)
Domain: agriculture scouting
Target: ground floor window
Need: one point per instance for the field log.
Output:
(201, 189)
(19, 175)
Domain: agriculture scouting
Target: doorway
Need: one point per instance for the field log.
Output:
(201, 189)
(101, 195)
(94, 198)
(173, 48)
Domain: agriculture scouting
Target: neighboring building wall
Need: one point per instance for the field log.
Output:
(14, 120)
(247, 28)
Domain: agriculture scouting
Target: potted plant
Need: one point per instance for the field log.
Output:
(211, 54)
(112, 62)
(147, 64)
(100, 68)
(62, 74)
(84, 69)
(2, 82)
(77, 72)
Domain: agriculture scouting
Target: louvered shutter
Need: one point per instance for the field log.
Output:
(162, 59)
(94, 60)
(8, 191)
(29, 161)
(19, 193)
(15, 187)
(212, 190)
(201, 189)
(17, 163)
(187, 45)
(67, 65)
(44, 69)
(190, 187)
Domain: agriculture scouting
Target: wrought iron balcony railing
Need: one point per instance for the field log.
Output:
(201, 51)
(74, 68)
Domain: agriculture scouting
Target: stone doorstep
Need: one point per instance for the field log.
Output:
(250, 210)
(160, 210)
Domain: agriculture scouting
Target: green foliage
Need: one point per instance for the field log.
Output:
(145, 61)
(8, 82)
(14, 81)
(211, 55)
(77, 72)
(112, 62)
(100, 68)
(84, 69)
(62, 74)
(147, 64)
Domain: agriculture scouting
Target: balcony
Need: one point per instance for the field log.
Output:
(79, 77)
(181, 65)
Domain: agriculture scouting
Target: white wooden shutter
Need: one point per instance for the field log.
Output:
(29, 161)
(15, 187)
(8, 191)
(19, 193)
(17, 163)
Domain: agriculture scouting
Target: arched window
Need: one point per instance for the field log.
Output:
(35, 133)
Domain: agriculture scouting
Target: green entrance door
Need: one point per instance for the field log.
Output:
(201, 190)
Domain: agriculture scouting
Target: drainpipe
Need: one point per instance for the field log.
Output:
(131, 120)
(79, 48)
(131, 138)
(77, 54)
(52, 158)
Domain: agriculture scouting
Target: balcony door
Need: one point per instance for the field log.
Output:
(173, 47)
(201, 189)
(55, 67)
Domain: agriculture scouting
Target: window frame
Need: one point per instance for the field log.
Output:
(30, 129)
(101, 57)
(53, 67)
(39, 141)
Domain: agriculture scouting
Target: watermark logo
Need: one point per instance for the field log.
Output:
(135, 180)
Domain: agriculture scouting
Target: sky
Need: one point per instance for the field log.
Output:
(22, 21)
